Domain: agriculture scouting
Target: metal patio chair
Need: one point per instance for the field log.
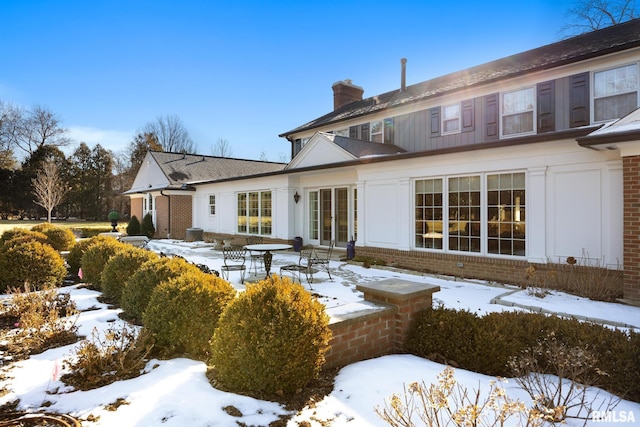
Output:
(320, 258)
(302, 266)
(255, 257)
(234, 260)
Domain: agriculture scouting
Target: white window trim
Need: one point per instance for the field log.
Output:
(458, 118)
(592, 91)
(381, 133)
(484, 234)
(214, 205)
(533, 110)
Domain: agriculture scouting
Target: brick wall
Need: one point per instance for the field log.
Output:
(382, 330)
(162, 217)
(631, 173)
(181, 212)
(136, 208)
(499, 270)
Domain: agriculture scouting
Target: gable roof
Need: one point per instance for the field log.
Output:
(585, 46)
(183, 170)
(328, 148)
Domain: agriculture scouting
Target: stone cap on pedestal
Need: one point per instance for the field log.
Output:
(398, 289)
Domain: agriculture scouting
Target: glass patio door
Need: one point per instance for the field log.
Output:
(330, 217)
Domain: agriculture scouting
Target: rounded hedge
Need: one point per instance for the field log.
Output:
(74, 259)
(443, 335)
(455, 341)
(96, 256)
(183, 312)
(121, 266)
(272, 338)
(138, 288)
(30, 263)
(20, 235)
(60, 238)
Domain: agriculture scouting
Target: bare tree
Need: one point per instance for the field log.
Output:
(48, 187)
(171, 134)
(28, 130)
(590, 15)
(221, 148)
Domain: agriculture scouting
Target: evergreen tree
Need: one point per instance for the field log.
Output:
(147, 228)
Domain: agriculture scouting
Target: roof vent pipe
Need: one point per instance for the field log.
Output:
(403, 75)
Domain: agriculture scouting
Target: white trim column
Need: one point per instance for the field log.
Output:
(536, 215)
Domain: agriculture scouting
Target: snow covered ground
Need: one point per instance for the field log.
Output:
(177, 393)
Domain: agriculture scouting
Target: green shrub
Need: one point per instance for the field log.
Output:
(88, 232)
(60, 238)
(74, 259)
(138, 288)
(30, 263)
(122, 265)
(21, 235)
(444, 335)
(96, 256)
(147, 228)
(133, 228)
(183, 312)
(486, 344)
(272, 338)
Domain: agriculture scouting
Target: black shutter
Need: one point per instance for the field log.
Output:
(388, 131)
(353, 132)
(468, 123)
(579, 100)
(435, 121)
(364, 132)
(546, 106)
(491, 118)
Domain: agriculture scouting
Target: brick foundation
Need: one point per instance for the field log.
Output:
(484, 268)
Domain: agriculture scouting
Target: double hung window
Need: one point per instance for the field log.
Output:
(615, 92)
(518, 112)
(376, 131)
(212, 204)
(451, 119)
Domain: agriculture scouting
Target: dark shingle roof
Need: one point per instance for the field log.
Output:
(579, 48)
(193, 168)
(361, 149)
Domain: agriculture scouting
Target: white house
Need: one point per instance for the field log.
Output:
(479, 173)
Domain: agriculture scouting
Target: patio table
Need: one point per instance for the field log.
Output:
(267, 248)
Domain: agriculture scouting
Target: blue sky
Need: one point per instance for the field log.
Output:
(244, 71)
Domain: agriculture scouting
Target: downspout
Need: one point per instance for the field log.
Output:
(168, 213)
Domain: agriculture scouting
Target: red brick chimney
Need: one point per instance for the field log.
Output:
(345, 92)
